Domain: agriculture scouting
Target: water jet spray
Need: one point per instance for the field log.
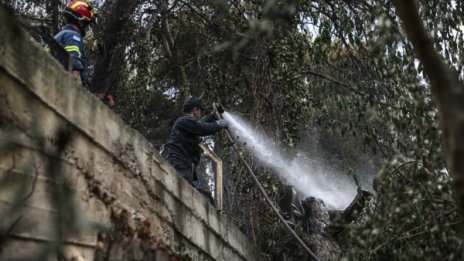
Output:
(217, 109)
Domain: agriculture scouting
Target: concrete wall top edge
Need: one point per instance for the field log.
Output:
(40, 74)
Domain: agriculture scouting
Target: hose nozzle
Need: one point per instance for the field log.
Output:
(218, 110)
(218, 107)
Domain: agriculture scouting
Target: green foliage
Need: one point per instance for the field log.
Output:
(334, 75)
(413, 217)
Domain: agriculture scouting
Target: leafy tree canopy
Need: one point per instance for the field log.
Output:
(332, 78)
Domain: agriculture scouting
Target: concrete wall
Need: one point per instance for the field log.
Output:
(53, 132)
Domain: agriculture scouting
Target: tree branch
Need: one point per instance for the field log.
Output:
(445, 87)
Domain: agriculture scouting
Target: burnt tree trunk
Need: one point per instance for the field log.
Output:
(53, 8)
(114, 15)
(171, 52)
(316, 220)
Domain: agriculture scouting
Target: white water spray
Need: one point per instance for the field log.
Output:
(307, 176)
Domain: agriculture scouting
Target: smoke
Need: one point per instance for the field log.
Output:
(308, 176)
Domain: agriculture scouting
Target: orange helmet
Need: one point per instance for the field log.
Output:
(80, 10)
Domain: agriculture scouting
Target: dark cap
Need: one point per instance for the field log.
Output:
(191, 103)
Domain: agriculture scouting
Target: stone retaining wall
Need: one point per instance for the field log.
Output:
(59, 144)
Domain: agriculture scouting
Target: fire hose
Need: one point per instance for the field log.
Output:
(219, 110)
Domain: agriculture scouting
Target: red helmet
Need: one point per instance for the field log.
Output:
(80, 10)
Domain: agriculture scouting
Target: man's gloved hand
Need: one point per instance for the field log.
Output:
(222, 123)
(219, 107)
(106, 99)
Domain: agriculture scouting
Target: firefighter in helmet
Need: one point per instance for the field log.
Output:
(79, 15)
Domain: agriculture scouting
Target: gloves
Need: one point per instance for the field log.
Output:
(222, 123)
(106, 99)
(219, 107)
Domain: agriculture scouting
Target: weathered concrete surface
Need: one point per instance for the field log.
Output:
(53, 132)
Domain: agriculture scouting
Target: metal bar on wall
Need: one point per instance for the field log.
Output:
(218, 183)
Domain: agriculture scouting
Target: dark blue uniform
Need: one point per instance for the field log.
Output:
(73, 43)
(182, 149)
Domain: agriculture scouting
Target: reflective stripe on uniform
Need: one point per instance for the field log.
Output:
(73, 48)
(77, 4)
(47, 49)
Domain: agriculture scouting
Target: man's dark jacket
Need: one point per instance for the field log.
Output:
(182, 149)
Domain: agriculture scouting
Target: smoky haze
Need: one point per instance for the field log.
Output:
(308, 176)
